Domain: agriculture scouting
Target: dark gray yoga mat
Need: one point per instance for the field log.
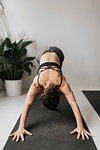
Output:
(94, 99)
(50, 129)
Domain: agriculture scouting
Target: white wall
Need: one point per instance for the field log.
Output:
(72, 25)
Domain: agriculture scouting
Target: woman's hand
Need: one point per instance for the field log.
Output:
(81, 132)
(19, 133)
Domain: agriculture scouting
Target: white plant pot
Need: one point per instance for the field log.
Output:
(13, 87)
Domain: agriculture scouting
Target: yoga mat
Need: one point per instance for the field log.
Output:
(50, 129)
(94, 99)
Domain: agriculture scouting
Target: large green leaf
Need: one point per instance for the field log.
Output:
(9, 67)
(4, 60)
(29, 64)
(14, 48)
(7, 54)
(29, 59)
(7, 51)
(1, 49)
(1, 41)
(19, 45)
(26, 43)
(20, 65)
(12, 59)
(1, 70)
(6, 73)
(2, 74)
(13, 45)
(22, 52)
(19, 74)
(7, 48)
(7, 42)
(1, 52)
(27, 69)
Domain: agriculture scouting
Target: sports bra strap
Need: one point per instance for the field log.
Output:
(39, 83)
(49, 67)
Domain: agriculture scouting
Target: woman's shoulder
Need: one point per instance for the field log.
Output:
(35, 80)
(65, 87)
(64, 82)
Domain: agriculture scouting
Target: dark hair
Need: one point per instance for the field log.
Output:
(50, 98)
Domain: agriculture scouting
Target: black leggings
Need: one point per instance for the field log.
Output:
(51, 49)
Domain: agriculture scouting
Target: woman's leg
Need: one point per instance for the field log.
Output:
(40, 53)
(58, 52)
(51, 49)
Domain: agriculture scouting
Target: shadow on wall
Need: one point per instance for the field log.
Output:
(27, 80)
(32, 51)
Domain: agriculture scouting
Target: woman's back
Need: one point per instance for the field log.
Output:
(50, 62)
(49, 57)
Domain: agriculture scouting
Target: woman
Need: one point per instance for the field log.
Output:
(50, 81)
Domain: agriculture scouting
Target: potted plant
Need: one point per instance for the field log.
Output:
(13, 63)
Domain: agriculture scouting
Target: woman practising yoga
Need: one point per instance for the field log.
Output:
(50, 80)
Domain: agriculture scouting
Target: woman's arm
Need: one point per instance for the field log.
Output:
(34, 89)
(66, 90)
(29, 100)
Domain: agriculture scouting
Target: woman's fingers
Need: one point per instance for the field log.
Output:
(18, 134)
(14, 137)
(78, 136)
(22, 137)
(17, 138)
(73, 131)
(11, 135)
(83, 135)
(28, 132)
(86, 136)
(89, 133)
(82, 132)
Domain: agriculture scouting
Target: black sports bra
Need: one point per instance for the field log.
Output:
(49, 65)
